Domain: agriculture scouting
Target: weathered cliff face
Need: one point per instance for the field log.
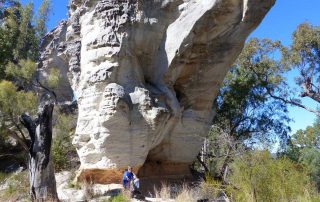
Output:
(145, 74)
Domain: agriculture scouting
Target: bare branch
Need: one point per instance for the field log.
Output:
(309, 92)
(21, 132)
(14, 135)
(46, 89)
(27, 121)
(202, 163)
(286, 101)
(290, 101)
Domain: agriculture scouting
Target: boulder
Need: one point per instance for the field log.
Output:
(145, 74)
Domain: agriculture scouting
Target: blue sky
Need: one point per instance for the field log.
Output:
(279, 24)
(58, 12)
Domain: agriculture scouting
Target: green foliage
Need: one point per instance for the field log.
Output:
(13, 103)
(74, 185)
(118, 198)
(43, 13)
(9, 32)
(222, 148)
(248, 114)
(21, 32)
(310, 137)
(62, 148)
(305, 51)
(310, 157)
(27, 45)
(23, 71)
(210, 188)
(245, 108)
(53, 79)
(252, 113)
(304, 56)
(20, 35)
(257, 176)
(304, 147)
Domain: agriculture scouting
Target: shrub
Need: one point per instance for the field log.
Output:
(53, 79)
(119, 198)
(256, 176)
(62, 148)
(210, 188)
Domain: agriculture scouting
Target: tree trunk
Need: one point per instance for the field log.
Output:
(41, 171)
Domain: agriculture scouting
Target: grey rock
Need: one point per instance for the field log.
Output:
(145, 74)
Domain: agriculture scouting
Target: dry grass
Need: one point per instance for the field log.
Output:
(126, 195)
(72, 183)
(186, 194)
(178, 193)
(164, 193)
(210, 189)
(87, 187)
(17, 189)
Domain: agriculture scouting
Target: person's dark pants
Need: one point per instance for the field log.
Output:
(126, 184)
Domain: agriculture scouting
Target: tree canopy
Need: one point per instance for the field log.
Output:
(21, 32)
(304, 147)
(245, 108)
(20, 36)
(252, 106)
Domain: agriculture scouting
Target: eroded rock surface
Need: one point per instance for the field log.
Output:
(145, 74)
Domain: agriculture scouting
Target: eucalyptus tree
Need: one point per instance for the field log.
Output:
(305, 56)
(248, 115)
(304, 148)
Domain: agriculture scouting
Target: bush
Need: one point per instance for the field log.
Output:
(210, 188)
(62, 148)
(119, 198)
(256, 176)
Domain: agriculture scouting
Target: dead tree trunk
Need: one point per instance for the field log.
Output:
(41, 171)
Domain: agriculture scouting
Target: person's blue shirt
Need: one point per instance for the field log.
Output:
(127, 174)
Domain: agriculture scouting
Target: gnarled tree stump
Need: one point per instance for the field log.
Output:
(41, 171)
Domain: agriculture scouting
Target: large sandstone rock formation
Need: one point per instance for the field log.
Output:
(145, 74)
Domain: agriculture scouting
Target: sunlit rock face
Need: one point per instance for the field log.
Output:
(145, 74)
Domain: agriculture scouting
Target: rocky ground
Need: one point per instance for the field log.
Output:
(70, 191)
(15, 188)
